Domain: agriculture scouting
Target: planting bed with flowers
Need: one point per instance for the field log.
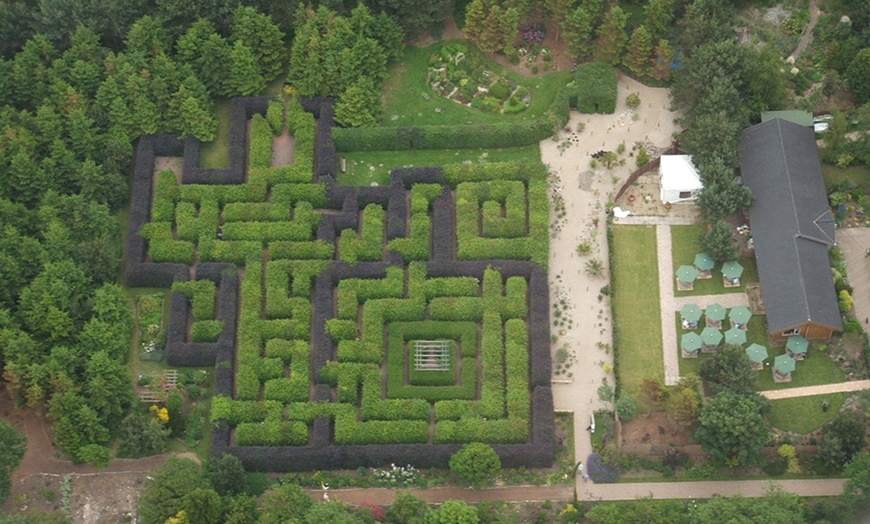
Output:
(309, 298)
(458, 75)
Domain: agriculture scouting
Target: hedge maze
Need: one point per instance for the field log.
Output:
(350, 326)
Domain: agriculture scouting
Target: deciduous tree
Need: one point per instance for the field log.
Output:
(12, 447)
(842, 439)
(732, 429)
(476, 462)
(163, 496)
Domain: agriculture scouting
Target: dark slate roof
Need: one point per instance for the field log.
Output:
(792, 225)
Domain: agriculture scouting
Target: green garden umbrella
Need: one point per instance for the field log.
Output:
(797, 344)
(735, 337)
(691, 312)
(732, 270)
(715, 312)
(704, 262)
(687, 274)
(756, 353)
(740, 315)
(691, 341)
(711, 336)
(783, 364)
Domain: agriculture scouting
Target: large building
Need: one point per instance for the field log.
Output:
(792, 228)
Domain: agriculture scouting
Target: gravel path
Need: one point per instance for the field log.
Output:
(586, 191)
(589, 491)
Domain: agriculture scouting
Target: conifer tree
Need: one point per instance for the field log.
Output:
(612, 36)
(639, 52)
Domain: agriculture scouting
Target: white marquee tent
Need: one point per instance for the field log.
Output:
(680, 181)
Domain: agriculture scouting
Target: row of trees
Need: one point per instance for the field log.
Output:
(345, 57)
(112, 20)
(590, 29)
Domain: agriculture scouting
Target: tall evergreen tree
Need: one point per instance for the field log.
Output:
(244, 76)
(265, 40)
(639, 51)
(658, 16)
(612, 36)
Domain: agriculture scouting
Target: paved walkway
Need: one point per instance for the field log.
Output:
(842, 387)
(590, 491)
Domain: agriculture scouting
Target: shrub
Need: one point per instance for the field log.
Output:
(476, 463)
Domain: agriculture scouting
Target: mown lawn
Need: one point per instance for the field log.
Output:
(636, 307)
(216, 153)
(816, 369)
(804, 414)
(858, 175)
(683, 250)
(408, 99)
(365, 167)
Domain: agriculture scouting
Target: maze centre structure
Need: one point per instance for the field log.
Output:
(350, 326)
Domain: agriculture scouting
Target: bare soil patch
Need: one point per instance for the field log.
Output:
(283, 147)
(175, 163)
(655, 429)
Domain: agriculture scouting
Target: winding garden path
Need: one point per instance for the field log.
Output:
(807, 34)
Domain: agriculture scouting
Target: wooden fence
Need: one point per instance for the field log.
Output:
(646, 168)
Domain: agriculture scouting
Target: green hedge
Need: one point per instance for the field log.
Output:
(316, 249)
(501, 431)
(162, 247)
(368, 246)
(290, 194)
(348, 430)
(275, 116)
(166, 194)
(260, 150)
(201, 296)
(272, 434)
(206, 330)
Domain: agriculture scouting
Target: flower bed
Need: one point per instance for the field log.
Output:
(458, 75)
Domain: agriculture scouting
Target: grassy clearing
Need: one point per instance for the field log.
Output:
(804, 414)
(857, 175)
(365, 167)
(216, 153)
(816, 369)
(408, 99)
(683, 251)
(636, 306)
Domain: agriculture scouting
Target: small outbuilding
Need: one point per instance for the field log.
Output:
(680, 181)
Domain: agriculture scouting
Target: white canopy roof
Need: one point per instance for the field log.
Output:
(679, 174)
